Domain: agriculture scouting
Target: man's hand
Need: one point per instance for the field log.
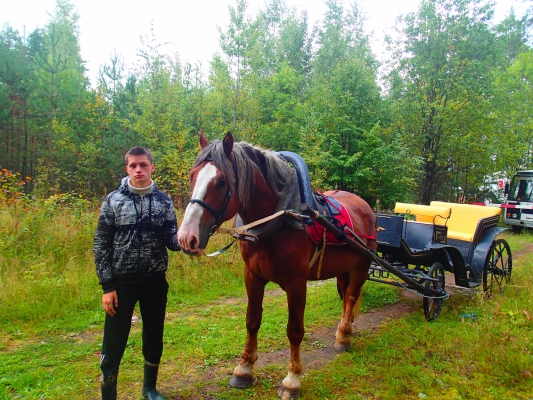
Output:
(109, 302)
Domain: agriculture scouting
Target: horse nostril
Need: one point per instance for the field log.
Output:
(192, 243)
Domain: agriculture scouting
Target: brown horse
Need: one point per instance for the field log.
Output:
(230, 178)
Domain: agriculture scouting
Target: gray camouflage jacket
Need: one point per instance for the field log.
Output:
(132, 236)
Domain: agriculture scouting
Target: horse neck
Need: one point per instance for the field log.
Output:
(262, 203)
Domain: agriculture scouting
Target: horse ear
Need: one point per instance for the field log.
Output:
(227, 144)
(203, 141)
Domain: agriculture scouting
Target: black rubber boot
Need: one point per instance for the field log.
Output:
(150, 379)
(108, 387)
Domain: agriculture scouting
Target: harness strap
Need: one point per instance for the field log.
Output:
(205, 205)
(358, 235)
(239, 229)
(318, 250)
(218, 215)
(321, 256)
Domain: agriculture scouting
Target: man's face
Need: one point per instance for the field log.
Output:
(140, 171)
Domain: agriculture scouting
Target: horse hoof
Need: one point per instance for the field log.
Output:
(287, 394)
(241, 382)
(342, 347)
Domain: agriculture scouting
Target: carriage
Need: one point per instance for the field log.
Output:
(418, 244)
(275, 209)
(424, 242)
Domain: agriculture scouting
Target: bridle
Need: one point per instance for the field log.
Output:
(218, 214)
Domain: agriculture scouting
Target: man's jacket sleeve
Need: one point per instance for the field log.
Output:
(170, 230)
(103, 246)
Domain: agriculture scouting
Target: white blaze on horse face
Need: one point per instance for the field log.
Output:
(189, 231)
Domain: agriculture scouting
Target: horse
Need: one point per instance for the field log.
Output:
(236, 178)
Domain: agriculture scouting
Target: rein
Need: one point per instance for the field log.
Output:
(240, 229)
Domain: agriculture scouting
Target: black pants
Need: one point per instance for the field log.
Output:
(152, 298)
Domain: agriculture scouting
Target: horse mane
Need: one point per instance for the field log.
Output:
(248, 159)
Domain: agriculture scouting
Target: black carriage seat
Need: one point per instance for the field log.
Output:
(434, 218)
(415, 235)
(398, 234)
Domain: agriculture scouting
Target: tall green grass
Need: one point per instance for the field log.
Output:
(45, 267)
(48, 275)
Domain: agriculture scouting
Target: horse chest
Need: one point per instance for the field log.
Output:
(277, 258)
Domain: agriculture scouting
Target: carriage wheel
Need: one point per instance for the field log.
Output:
(498, 267)
(433, 305)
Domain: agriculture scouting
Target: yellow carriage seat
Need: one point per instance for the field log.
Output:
(430, 214)
(468, 221)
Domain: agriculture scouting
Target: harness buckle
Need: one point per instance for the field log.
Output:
(247, 236)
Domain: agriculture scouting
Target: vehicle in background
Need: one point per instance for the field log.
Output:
(519, 205)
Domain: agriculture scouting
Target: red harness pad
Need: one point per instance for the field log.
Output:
(316, 231)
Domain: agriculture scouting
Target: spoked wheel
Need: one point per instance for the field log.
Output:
(432, 304)
(498, 267)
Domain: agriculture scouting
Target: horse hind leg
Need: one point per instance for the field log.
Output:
(350, 296)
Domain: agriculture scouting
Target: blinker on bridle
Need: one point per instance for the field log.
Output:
(219, 214)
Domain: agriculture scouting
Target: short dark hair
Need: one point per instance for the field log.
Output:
(138, 151)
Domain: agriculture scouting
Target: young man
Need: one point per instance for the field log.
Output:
(137, 224)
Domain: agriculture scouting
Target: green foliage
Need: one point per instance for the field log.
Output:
(12, 188)
(458, 89)
(340, 133)
(442, 82)
(279, 110)
(512, 118)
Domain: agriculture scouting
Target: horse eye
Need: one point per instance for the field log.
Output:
(221, 184)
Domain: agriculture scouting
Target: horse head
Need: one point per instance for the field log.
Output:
(214, 196)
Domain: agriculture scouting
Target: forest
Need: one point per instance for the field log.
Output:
(447, 115)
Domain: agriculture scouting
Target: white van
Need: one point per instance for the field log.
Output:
(519, 209)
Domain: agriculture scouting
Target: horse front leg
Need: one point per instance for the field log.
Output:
(243, 376)
(296, 297)
(343, 337)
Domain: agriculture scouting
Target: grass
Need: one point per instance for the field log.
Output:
(452, 358)
(51, 325)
